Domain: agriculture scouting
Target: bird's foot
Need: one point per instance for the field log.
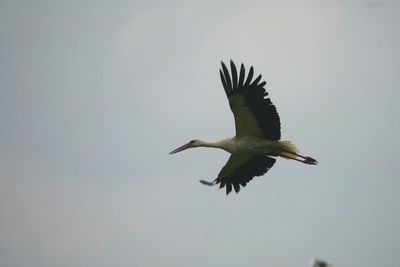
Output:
(310, 161)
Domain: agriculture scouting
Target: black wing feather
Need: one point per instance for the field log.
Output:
(234, 75)
(255, 82)
(241, 75)
(256, 99)
(224, 83)
(227, 77)
(249, 76)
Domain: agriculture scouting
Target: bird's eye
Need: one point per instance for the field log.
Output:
(192, 142)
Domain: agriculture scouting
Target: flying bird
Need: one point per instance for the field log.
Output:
(258, 132)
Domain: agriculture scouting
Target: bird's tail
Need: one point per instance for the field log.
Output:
(288, 149)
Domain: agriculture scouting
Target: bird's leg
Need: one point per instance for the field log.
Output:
(305, 160)
(208, 183)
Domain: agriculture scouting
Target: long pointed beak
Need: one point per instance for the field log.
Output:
(181, 148)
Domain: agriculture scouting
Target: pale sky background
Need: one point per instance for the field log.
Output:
(94, 94)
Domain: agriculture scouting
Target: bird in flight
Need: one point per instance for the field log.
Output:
(258, 132)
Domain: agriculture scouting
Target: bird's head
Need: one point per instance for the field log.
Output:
(192, 143)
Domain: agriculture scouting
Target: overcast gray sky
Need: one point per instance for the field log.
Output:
(94, 94)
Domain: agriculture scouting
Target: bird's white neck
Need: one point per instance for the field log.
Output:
(222, 144)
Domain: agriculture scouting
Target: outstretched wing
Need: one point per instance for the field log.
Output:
(241, 168)
(254, 113)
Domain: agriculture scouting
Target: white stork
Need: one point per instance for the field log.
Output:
(257, 132)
